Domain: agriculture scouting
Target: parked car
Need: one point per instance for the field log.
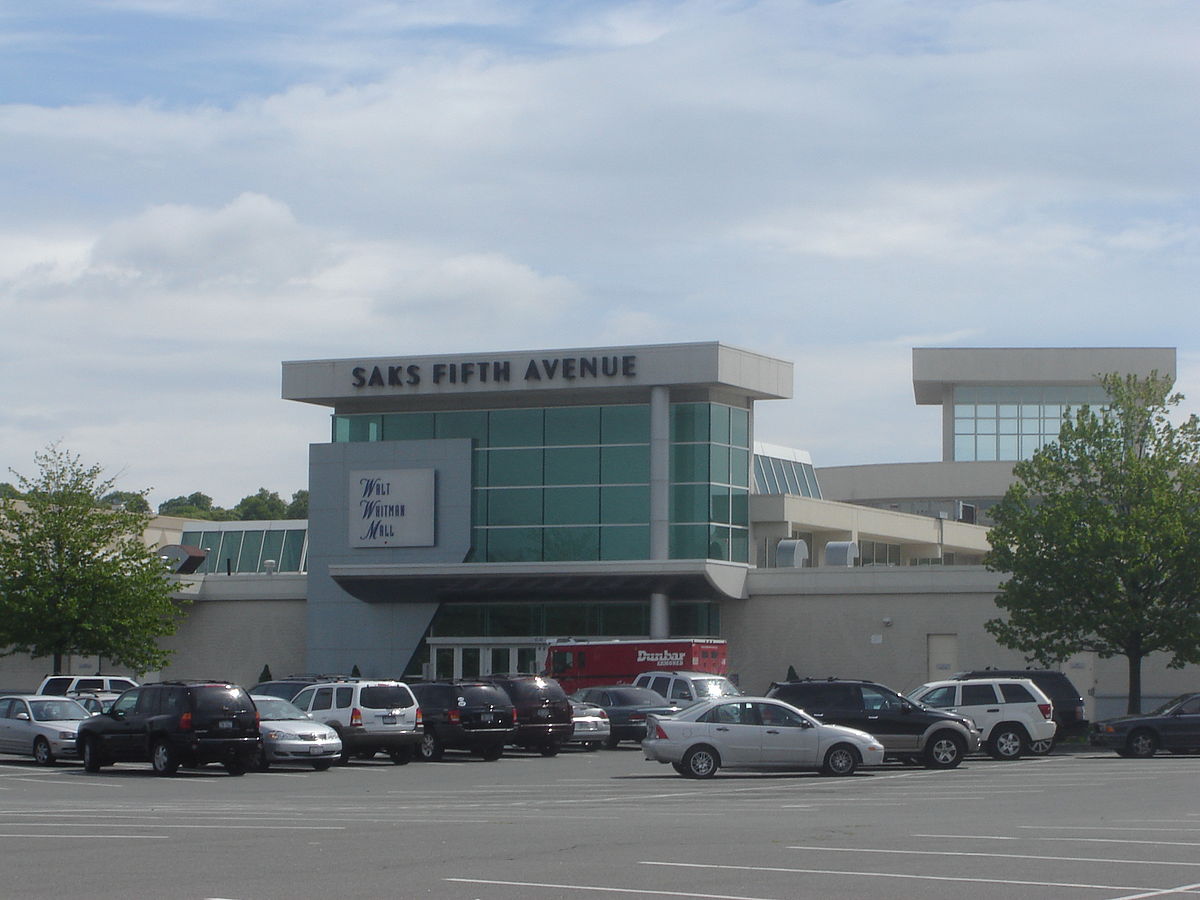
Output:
(592, 729)
(464, 715)
(909, 731)
(1070, 712)
(174, 723)
(94, 702)
(544, 715)
(289, 687)
(685, 688)
(64, 685)
(755, 733)
(1174, 726)
(627, 707)
(289, 735)
(40, 726)
(368, 715)
(1010, 713)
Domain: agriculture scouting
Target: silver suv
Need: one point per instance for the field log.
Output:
(368, 716)
(1013, 715)
(686, 688)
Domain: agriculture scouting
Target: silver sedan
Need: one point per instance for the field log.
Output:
(289, 735)
(40, 726)
(755, 733)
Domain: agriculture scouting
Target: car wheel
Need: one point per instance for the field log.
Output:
(701, 762)
(1007, 742)
(91, 755)
(322, 765)
(235, 766)
(1142, 744)
(841, 760)
(681, 769)
(492, 753)
(163, 758)
(945, 750)
(365, 754)
(611, 742)
(550, 749)
(259, 761)
(1041, 748)
(42, 753)
(430, 749)
(401, 756)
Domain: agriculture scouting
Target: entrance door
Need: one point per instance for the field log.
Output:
(942, 651)
(470, 660)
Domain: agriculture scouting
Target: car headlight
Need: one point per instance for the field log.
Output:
(279, 736)
(66, 735)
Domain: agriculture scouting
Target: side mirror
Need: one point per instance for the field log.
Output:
(23, 716)
(906, 707)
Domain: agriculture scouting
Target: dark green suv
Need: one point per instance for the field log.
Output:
(174, 723)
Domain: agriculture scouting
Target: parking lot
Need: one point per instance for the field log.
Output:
(607, 823)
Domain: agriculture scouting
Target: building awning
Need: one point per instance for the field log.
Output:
(682, 579)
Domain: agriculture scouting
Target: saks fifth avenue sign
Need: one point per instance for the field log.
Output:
(392, 508)
(499, 372)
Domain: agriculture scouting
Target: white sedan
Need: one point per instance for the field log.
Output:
(755, 733)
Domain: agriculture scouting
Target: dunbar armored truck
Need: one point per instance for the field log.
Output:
(580, 664)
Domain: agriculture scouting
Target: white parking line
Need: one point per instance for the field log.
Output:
(1106, 828)
(91, 837)
(902, 875)
(1137, 862)
(1080, 840)
(1182, 889)
(605, 890)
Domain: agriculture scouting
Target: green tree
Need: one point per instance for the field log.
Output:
(129, 499)
(263, 505)
(1099, 534)
(298, 508)
(8, 492)
(75, 575)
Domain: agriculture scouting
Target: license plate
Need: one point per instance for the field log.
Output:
(488, 717)
(389, 720)
(316, 751)
(543, 713)
(225, 723)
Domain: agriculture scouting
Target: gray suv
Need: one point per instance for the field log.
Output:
(368, 716)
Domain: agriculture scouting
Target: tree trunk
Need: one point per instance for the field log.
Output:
(58, 664)
(1135, 683)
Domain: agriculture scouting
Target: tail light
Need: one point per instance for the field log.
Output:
(455, 716)
(637, 717)
(420, 716)
(185, 722)
(603, 714)
(356, 718)
(1047, 709)
(257, 719)
(659, 733)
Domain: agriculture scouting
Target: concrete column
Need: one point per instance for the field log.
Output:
(660, 618)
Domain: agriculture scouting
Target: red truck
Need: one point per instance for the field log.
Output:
(583, 663)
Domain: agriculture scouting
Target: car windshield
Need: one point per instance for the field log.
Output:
(637, 697)
(58, 711)
(276, 708)
(715, 687)
(221, 700)
(1166, 707)
(484, 694)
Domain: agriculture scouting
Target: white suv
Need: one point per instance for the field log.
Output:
(686, 688)
(368, 716)
(1013, 715)
(63, 685)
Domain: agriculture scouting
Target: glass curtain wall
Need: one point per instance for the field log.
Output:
(1008, 423)
(710, 482)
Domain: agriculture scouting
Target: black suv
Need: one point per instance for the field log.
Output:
(908, 731)
(464, 715)
(1069, 710)
(174, 723)
(544, 715)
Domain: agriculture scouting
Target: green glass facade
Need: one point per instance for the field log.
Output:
(580, 618)
(573, 483)
(247, 550)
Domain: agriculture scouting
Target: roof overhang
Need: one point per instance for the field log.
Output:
(693, 579)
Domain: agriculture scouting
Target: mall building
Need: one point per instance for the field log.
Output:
(467, 509)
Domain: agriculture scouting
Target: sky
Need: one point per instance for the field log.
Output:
(193, 191)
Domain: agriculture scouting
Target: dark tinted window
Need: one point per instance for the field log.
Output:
(127, 702)
(118, 684)
(978, 694)
(386, 696)
(941, 697)
(634, 697)
(89, 684)
(324, 698)
(880, 699)
(535, 690)
(304, 698)
(216, 700)
(484, 695)
(1016, 693)
(150, 701)
(57, 686)
(343, 696)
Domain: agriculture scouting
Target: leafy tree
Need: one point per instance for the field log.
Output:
(129, 499)
(1099, 536)
(8, 492)
(195, 506)
(263, 505)
(298, 508)
(75, 576)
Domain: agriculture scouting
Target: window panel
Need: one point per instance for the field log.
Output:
(964, 447)
(964, 426)
(625, 505)
(718, 467)
(515, 428)
(718, 503)
(625, 465)
(291, 557)
(739, 467)
(624, 619)
(272, 548)
(718, 542)
(718, 424)
(566, 618)
(514, 467)
(572, 465)
(689, 541)
(985, 447)
(249, 555)
(227, 555)
(625, 424)
(572, 506)
(689, 503)
(472, 424)
(689, 422)
(365, 428)
(514, 619)
(571, 544)
(811, 474)
(516, 506)
(573, 425)
(408, 426)
(739, 545)
(625, 542)
(1006, 447)
(514, 545)
(739, 507)
(739, 427)
(689, 462)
